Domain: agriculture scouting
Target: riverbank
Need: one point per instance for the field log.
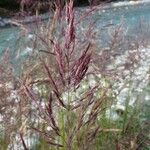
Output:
(5, 13)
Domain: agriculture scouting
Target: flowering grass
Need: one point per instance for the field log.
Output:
(67, 95)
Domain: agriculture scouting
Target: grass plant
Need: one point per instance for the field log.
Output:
(65, 97)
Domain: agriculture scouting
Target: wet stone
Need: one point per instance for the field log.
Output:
(2, 24)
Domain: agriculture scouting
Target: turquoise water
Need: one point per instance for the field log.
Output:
(8, 37)
(131, 16)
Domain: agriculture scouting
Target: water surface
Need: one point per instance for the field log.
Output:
(105, 19)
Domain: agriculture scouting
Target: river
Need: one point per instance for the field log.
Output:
(105, 19)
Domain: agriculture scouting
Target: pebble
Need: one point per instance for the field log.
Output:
(4, 22)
